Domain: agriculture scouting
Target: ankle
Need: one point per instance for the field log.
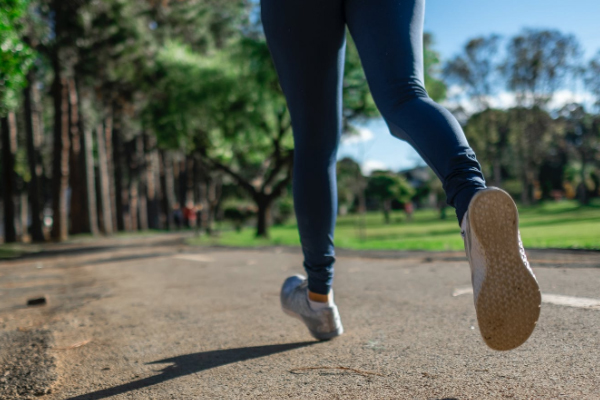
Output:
(319, 298)
(318, 301)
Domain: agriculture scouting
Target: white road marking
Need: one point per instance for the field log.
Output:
(461, 291)
(556, 299)
(569, 301)
(193, 257)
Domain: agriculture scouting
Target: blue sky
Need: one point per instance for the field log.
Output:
(452, 23)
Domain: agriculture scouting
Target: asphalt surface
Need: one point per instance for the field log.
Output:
(151, 318)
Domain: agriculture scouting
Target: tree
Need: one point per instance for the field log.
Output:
(15, 56)
(386, 187)
(488, 133)
(358, 102)
(350, 182)
(63, 16)
(436, 88)
(33, 116)
(538, 63)
(582, 132)
(591, 78)
(530, 134)
(15, 60)
(476, 69)
(9, 148)
(230, 111)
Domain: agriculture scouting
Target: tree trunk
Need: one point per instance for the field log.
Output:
(24, 208)
(33, 137)
(120, 191)
(133, 163)
(9, 148)
(263, 218)
(87, 167)
(189, 184)
(108, 145)
(387, 206)
(60, 168)
(79, 214)
(167, 183)
(197, 194)
(362, 213)
(152, 182)
(177, 180)
(213, 198)
(497, 172)
(103, 173)
(142, 174)
(582, 195)
(525, 198)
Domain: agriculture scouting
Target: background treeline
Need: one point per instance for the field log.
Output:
(547, 144)
(116, 113)
(529, 105)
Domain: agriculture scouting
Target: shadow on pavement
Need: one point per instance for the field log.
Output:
(192, 363)
(79, 250)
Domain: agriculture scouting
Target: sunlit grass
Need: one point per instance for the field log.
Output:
(550, 225)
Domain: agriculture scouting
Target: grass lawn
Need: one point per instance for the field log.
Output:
(557, 225)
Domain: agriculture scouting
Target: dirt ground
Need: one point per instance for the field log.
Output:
(151, 318)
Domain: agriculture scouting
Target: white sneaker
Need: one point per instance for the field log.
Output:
(323, 324)
(506, 293)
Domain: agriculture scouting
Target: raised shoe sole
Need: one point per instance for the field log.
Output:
(316, 335)
(508, 305)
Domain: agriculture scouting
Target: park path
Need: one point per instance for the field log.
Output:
(151, 318)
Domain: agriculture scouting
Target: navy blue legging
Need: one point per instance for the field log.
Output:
(307, 39)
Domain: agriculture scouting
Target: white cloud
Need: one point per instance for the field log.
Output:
(372, 165)
(361, 135)
(563, 97)
(505, 99)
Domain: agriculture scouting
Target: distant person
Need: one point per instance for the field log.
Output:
(189, 215)
(409, 209)
(307, 41)
(177, 216)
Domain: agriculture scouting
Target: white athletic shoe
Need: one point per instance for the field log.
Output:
(506, 293)
(323, 324)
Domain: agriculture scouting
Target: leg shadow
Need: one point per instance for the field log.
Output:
(191, 363)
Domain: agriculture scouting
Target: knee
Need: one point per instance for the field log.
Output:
(393, 95)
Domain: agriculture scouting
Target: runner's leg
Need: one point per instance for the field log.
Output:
(389, 38)
(307, 41)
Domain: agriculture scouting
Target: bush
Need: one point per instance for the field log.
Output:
(238, 215)
(283, 210)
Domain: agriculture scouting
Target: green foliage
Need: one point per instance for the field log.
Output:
(225, 105)
(238, 215)
(582, 133)
(204, 25)
(436, 88)
(388, 186)
(283, 210)
(15, 56)
(488, 133)
(358, 102)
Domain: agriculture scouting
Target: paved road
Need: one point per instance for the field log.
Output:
(154, 319)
